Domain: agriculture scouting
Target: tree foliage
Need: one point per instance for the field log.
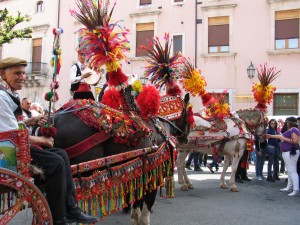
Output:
(7, 24)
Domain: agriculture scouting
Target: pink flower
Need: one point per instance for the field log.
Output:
(72, 12)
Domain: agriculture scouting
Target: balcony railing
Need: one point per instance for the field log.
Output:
(37, 68)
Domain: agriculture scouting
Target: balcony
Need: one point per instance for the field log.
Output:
(36, 74)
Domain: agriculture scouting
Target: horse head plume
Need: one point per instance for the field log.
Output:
(103, 43)
(163, 69)
(263, 92)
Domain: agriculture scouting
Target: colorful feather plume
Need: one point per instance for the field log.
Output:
(195, 83)
(263, 92)
(163, 69)
(103, 42)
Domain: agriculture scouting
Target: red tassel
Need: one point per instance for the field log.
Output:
(243, 166)
(116, 78)
(48, 131)
(112, 98)
(190, 117)
(148, 101)
(261, 106)
(174, 90)
(207, 99)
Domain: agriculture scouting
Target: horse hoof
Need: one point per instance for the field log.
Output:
(190, 186)
(234, 189)
(224, 186)
(126, 210)
(184, 188)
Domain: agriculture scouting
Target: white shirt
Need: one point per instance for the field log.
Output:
(7, 118)
(73, 73)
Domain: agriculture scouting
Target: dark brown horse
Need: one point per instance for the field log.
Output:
(72, 131)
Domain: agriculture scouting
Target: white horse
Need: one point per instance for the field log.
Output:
(226, 137)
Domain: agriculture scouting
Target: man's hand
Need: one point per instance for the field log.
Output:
(86, 75)
(41, 141)
(40, 120)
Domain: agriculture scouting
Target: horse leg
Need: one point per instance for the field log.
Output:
(180, 162)
(186, 178)
(149, 200)
(235, 162)
(225, 167)
(136, 212)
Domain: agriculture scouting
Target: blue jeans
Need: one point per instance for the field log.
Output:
(273, 160)
(195, 157)
(260, 161)
(214, 163)
(253, 156)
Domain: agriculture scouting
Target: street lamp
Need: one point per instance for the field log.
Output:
(144, 80)
(251, 71)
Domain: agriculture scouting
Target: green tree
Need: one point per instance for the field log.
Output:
(7, 24)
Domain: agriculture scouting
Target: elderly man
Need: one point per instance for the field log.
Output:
(55, 163)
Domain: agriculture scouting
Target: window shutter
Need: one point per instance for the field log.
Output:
(218, 35)
(36, 54)
(218, 31)
(145, 2)
(286, 29)
(144, 32)
(177, 43)
(141, 39)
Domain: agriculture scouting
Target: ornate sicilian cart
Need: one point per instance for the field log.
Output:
(17, 189)
(102, 192)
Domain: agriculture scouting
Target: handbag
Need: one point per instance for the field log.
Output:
(294, 148)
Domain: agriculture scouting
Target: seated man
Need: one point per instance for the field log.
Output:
(54, 162)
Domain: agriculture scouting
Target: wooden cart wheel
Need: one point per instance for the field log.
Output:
(25, 192)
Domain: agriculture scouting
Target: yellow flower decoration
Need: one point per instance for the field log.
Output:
(137, 86)
(193, 82)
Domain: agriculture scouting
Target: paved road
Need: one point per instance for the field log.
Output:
(258, 202)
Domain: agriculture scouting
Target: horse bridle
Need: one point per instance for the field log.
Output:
(253, 128)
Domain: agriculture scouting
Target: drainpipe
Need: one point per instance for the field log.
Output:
(197, 21)
(58, 13)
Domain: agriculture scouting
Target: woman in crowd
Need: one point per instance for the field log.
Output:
(273, 152)
(288, 139)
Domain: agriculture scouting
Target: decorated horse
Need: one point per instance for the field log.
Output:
(224, 133)
(229, 137)
(89, 131)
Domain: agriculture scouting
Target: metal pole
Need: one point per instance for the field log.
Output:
(58, 13)
(196, 32)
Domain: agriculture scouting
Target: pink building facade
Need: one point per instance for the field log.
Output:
(222, 38)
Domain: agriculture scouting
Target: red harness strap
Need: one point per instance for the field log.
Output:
(86, 144)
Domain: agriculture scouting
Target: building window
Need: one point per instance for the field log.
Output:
(36, 54)
(287, 29)
(285, 104)
(39, 6)
(144, 32)
(218, 34)
(177, 43)
(145, 2)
